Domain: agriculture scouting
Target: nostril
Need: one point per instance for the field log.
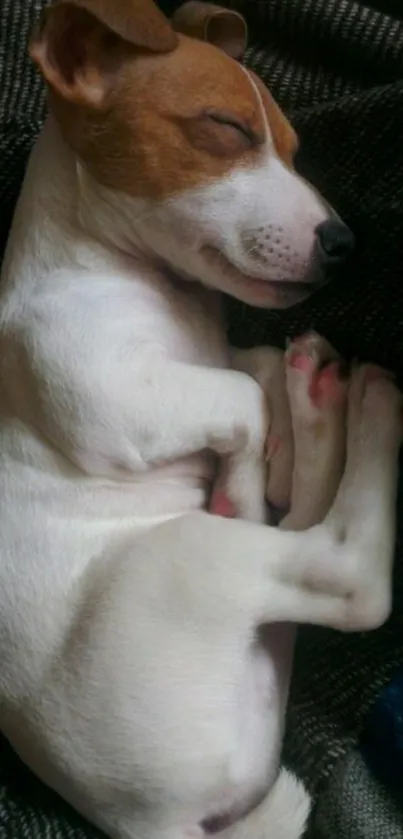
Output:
(336, 240)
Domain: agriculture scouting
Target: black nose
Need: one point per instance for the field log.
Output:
(336, 241)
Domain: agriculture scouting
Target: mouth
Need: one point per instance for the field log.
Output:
(278, 294)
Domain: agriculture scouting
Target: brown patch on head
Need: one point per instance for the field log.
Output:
(169, 127)
(149, 112)
(80, 44)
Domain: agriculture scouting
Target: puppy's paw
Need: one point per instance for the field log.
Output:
(221, 505)
(239, 490)
(316, 380)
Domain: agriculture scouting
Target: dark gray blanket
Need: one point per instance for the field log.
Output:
(336, 66)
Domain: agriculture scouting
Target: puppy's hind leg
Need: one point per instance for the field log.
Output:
(282, 814)
(266, 366)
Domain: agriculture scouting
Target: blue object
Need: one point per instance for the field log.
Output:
(382, 740)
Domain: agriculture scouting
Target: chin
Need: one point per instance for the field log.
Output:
(278, 293)
(271, 295)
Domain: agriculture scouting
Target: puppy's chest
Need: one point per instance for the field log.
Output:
(194, 329)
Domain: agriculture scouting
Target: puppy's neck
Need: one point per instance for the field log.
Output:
(112, 219)
(64, 220)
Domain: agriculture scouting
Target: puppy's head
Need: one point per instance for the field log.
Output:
(186, 148)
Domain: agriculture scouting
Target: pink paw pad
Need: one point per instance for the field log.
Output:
(299, 361)
(221, 505)
(326, 387)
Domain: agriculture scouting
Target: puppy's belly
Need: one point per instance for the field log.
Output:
(259, 726)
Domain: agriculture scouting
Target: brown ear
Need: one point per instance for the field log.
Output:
(80, 42)
(224, 28)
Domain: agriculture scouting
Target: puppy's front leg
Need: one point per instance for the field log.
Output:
(266, 366)
(306, 440)
(139, 409)
(305, 443)
(221, 410)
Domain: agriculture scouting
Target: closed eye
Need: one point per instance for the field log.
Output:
(231, 122)
(220, 134)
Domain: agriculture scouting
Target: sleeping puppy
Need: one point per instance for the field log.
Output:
(146, 644)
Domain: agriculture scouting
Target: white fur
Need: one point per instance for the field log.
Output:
(131, 677)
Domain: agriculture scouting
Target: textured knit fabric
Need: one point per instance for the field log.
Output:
(357, 805)
(336, 66)
(22, 100)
